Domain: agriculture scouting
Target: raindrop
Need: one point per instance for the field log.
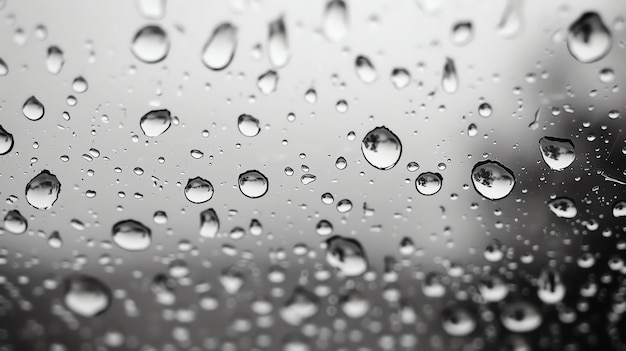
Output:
(4, 68)
(6, 141)
(563, 207)
(248, 125)
(155, 122)
(151, 9)
(277, 43)
(301, 305)
(15, 223)
(412, 166)
(324, 228)
(131, 235)
(335, 20)
(428, 183)
(458, 321)
(150, 44)
(462, 33)
(344, 206)
(33, 109)
(255, 227)
(493, 289)
(267, 82)
(159, 217)
(253, 184)
(472, 130)
(43, 190)
(588, 39)
(381, 148)
(209, 223)
(55, 60)
(432, 285)
(346, 256)
(400, 77)
(310, 96)
(606, 75)
(557, 153)
(492, 179)
(550, 288)
(163, 288)
(220, 49)
(484, 110)
(55, 241)
(231, 279)
(449, 78)
(521, 317)
(354, 304)
(198, 190)
(511, 23)
(619, 209)
(86, 295)
(79, 85)
(341, 106)
(341, 163)
(365, 70)
(307, 179)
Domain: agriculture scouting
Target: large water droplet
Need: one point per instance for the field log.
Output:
(33, 109)
(511, 23)
(588, 39)
(346, 256)
(365, 69)
(563, 207)
(43, 190)
(277, 43)
(151, 9)
(493, 289)
(131, 235)
(253, 184)
(150, 44)
(462, 33)
(492, 179)
(209, 223)
(381, 148)
(458, 321)
(619, 209)
(335, 20)
(449, 78)
(86, 295)
(15, 223)
(557, 153)
(550, 287)
(428, 183)
(301, 305)
(220, 49)
(248, 125)
(54, 60)
(155, 123)
(6, 141)
(521, 317)
(267, 82)
(198, 190)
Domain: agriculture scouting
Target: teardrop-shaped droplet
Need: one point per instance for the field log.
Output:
(588, 39)
(131, 235)
(511, 23)
(449, 79)
(381, 148)
(232, 279)
(550, 287)
(209, 223)
(277, 43)
(365, 69)
(557, 153)
(150, 44)
(6, 141)
(346, 255)
(80, 84)
(4, 68)
(155, 123)
(335, 20)
(400, 77)
(253, 184)
(248, 125)
(163, 288)
(55, 60)
(462, 33)
(43, 190)
(55, 241)
(458, 321)
(267, 82)
(151, 9)
(198, 190)
(492, 179)
(521, 317)
(563, 207)
(33, 109)
(300, 306)
(220, 49)
(86, 296)
(428, 183)
(15, 223)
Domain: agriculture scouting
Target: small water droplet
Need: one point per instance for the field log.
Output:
(86, 296)
(400, 77)
(588, 39)
(550, 287)
(33, 109)
(521, 317)
(253, 184)
(428, 183)
(557, 153)
(79, 85)
(346, 255)
(365, 69)
(6, 141)
(55, 60)
(344, 206)
(248, 125)
(150, 44)
(4, 68)
(209, 223)
(55, 241)
(472, 130)
(307, 179)
(335, 20)
(131, 235)
(449, 78)
(619, 209)
(15, 223)
(563, 207)
(462, 33)
(155, 122)
(381, 148)
(484, 110)
(511, 23)
(492, 179)
(43, 190)
(220, 49)
(458, 321)
(151, 9)
(198, 190)
(277, 43)
(267, 82)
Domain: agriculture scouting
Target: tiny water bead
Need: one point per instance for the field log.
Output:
(220, 49)
(150, 44)
(253, 184)
(43, 190)
(33, 109)
(428, 183)
(346, 255)
(86, 296)
(588, 39)
(557, 153)
(381, 148)
(198, 190)
(155, 122)
(248, 125)
(492, 179)
(131, 235)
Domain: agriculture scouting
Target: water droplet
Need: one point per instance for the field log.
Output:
(619, 209)
(606, 75)
(231, 279)
(458, 321)
(79, 85)
(335, 20)
(472, 130)
(341, 163)
(412, 166)
(150, 44)
(588, 39)
(344, 206)
(341, 106)
(449, 79)
(86, 295)
(462, 33)
(248, 125)
(563, 207)
(550, 287)
(55, 60)
(253, 184)
(220, 48)
(484, 110)
(155, 122)
(400, 77)
(267, 82)
(492, 179)
(310, 96)
(163, 289)
(209, 223)
(4, 68)
(432, 285)
(301, 305)
(277, 43)
(365, 70)
(43, 190)
(521, 317)
(6, 141)
(151, 9)
(159, 217)
(324, 228)
(354, 304)
(428, 183)
(15, 223)
(55, 241)
(198, 190)
(493, 289)
(557, 153)
(33, 109)
(511, 23)
(131, 235)
(346, 256)
(381, 148)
